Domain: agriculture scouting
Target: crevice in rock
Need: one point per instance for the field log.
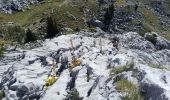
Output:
(93, 86)
(73, 75)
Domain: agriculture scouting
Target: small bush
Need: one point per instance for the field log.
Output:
(73, 95)
(1, 50)
(132, 90)
(120, 69)
(15, 33)
(53, 27)
(30, 36)
(151, 37)
(2, 95)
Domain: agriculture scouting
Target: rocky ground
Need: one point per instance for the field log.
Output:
(103, 67)
(9, 6)
(104, 49)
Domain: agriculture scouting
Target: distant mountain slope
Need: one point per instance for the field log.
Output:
(135, 15)
(8, 6)
(114, 16)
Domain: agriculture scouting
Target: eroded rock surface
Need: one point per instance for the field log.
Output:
(23, 78)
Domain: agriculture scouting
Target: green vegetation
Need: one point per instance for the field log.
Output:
(151, 20)
(56, 14)
(30, 36)
(1, 50)
(132, 90)
(71, 13)
(2, 95)
(146, 28)
(120, 3)
(151, 37)
(2, 45)
(156, 66)
(53, 27)
(15, 33)
(73, 95)
(35, 13)
(120, 69)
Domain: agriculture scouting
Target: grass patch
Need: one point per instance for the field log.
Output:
(63, 13)
(150, 19)
(132, 90)
(120, 3)
(71, 14)
(167, 35)
(27, 17)
(120, 69)
(37, 12)
(156, 66)
(3, 43)
(2, 94)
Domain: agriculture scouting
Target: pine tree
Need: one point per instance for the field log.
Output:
(52, 27)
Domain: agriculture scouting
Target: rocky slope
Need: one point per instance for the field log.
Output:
(122, 60)
(8, 6)
(104, 66)
(119, 16)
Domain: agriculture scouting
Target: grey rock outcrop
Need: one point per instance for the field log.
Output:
(8, 6)
(143, 65)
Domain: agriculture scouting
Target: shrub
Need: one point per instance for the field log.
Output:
(30, 36)
(15, 33)
(73, 95)
(132, 90)
(151, 37)
(53, 27)
(2, 95)
(120, 69)
(1, 50)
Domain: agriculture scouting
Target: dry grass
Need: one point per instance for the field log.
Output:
(120, 3)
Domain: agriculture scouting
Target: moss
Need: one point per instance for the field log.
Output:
(132, 90)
